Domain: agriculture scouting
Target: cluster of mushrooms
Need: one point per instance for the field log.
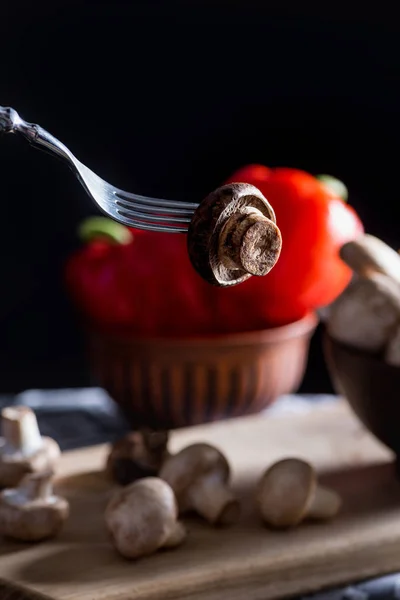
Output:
(160, 487)
(154, 488)
(367, 314)
(29, 509)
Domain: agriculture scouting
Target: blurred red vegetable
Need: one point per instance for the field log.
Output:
(142, 283)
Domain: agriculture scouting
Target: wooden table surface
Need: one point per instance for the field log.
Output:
(244, 562)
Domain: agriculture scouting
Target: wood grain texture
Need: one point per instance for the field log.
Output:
(247, 561)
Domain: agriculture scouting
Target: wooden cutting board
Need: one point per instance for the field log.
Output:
(247, 561)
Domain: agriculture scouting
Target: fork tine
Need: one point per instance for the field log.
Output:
(151, 217)
(132, 198)
(147, 226)
(151, 210)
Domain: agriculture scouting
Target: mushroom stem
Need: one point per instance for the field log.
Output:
(211, 499)
(324, 504)
(20, 430)
(176, 536)
(245, 241)
(37, 486)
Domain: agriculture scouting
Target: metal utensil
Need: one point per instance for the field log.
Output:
(136, 211)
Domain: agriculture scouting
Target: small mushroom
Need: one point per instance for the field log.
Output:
(199, 475)
(368, 254)
(142, 518)
(288, 493)
(138, 454)
(31, 512)
(22, 449)
(366, 313)
(233, 235)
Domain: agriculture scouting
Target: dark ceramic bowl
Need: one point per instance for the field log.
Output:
(170, 383)
(371, 387)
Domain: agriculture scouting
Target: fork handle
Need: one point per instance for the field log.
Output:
(11, 122)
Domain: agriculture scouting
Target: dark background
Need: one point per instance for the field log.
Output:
(167, 98)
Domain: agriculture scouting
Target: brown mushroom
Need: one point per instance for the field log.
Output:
(138, 454)
(199, 475)
(22, 449)
(368, 254)
(288, 493)
(31, 512)
(142, 518)
(233, 235)
(366, 313)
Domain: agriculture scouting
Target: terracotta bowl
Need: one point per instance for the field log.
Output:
(371, 387)
(175, 383)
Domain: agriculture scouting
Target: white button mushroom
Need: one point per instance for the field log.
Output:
(366, 313)
(22, 449)
(31, 512)
(142, 518)
(368, 254)
(199, 475)
(288, 493)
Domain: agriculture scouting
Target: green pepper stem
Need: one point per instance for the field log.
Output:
(95, 228)
(334, 185)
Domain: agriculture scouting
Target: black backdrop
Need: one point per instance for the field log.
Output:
(167, 98)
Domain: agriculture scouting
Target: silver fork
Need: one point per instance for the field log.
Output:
(135, 211)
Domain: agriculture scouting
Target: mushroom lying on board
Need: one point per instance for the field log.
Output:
(288, 493)
(138, 454)
(142, 518)
(31, 512)
(22, 449)
(199, 475)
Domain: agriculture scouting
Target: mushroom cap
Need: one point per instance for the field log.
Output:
(182, 469)
(285, 491)
(136, 455)
(31, 521)
(141, 517)
(14, 466)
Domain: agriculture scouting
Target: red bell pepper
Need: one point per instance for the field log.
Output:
(314, 221)
(142, 283)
